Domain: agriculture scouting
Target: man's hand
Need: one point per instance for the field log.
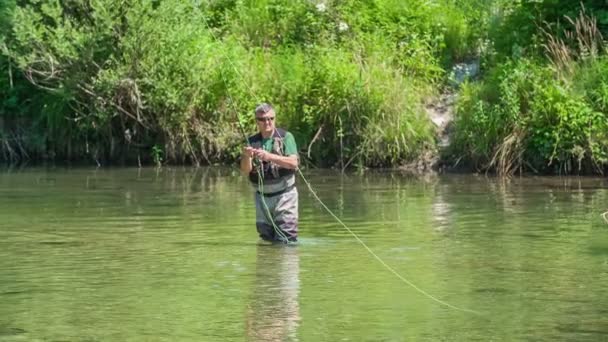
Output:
(288, 162)
(263, 155)
(248, 152)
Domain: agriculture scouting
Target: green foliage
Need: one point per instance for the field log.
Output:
(157, 155)
(517, 26)
(542, 105)
(364, 111)
(173, 81)
(563, 130)
(128, 76)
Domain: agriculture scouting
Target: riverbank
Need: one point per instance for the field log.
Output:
(491, 86)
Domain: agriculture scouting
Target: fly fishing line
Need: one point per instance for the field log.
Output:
(369, 250)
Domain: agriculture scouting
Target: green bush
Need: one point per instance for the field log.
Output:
(533, 120)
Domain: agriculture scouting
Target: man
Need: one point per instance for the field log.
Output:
(270, 161)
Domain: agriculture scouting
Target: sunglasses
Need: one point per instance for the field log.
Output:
(267, 119)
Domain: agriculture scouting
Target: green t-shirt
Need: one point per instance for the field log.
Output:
(289, 142)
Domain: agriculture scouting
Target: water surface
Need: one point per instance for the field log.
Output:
(172, 254)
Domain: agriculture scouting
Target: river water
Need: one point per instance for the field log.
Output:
(172, 255)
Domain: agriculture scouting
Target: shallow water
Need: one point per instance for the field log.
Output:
(172, 254)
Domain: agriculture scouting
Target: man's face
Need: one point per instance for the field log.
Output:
(265, 122)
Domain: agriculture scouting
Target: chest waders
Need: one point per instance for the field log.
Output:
(276, 197)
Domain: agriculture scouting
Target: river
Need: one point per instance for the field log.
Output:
(172, 254)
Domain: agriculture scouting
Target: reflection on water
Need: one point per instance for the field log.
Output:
(274, 313)
(172, 254)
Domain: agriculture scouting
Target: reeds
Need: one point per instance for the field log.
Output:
(508, 154)
(583, 41)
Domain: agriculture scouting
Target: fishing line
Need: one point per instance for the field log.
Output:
(388, 267)
(382, 262)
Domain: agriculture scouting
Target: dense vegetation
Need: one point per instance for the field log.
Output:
(543, 102)
(169, 81)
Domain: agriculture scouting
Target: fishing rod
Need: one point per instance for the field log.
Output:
(238, 121)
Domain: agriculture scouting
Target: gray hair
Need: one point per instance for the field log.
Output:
(263, 108)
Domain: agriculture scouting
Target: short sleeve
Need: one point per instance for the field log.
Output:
(290, 145)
